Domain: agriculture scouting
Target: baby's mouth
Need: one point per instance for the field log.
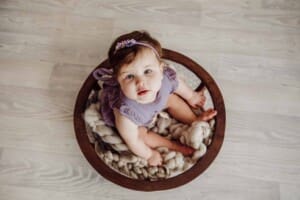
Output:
(142, 92)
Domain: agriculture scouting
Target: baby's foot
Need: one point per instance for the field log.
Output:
(186, 151)
(207, 115)
(198, 99)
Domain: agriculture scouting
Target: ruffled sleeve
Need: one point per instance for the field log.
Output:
(110, 94)
(171, 78)
(109, 99)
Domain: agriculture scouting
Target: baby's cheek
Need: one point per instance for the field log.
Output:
(157, 84)
(128, 90)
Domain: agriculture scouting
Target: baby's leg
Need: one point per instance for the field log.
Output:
(153, 140)
(181, 111)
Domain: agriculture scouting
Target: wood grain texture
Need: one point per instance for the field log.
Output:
(251, 49)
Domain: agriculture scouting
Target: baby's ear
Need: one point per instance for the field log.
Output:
(162, 65)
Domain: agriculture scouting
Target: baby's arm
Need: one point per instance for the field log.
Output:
(132, 137)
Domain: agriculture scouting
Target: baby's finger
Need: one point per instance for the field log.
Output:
(213, 113)
(209, 110)
(201, 103)
(210, 115)
(203, 99)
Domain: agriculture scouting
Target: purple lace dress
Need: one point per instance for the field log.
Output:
(141, 114)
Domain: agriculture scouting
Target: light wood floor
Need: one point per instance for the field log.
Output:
(251, 48)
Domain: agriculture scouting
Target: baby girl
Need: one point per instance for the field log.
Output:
(137, 87)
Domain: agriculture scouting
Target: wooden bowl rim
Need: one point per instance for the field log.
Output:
(143, 185)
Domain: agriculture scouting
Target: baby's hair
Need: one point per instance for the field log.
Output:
(120, 56)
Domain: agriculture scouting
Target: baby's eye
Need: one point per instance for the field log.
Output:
(129, 76)
(148, 71)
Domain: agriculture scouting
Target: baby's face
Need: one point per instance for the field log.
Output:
(141, 79)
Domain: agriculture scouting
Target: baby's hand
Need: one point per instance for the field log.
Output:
(198, 99)
(155, 159)
(207, 115)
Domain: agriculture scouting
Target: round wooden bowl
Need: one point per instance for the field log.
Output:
(213, 149)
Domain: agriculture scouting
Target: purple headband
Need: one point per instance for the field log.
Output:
(132, 42)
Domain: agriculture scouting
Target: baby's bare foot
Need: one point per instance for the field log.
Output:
(207, 115)
(186, 151)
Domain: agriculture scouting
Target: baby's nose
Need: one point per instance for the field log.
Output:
(139, 81)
